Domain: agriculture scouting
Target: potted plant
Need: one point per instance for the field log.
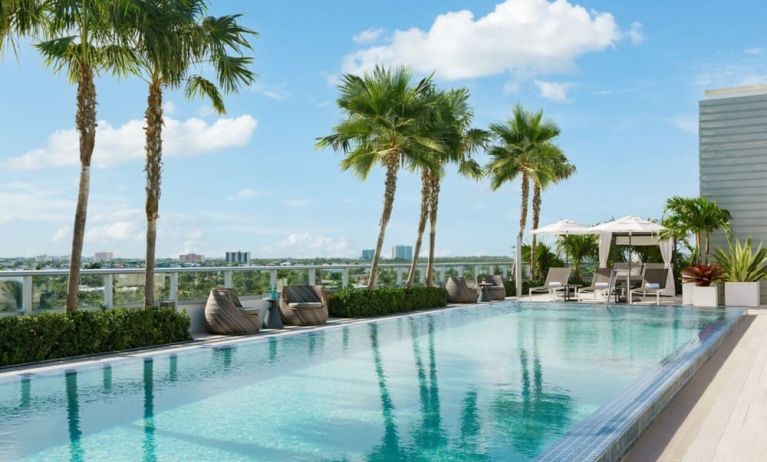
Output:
(705, 278)
(743, 268)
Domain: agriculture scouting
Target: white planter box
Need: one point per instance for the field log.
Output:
(741, 294)
(687, 293)
(705, 296)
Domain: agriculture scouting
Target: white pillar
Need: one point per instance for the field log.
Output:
(273, 280)
(399, 275)
(174, 288)
(26, 294)
(422, 274)
(345, 277)
(518, 267)
(228, 279)
(108, 284)
(312, 276)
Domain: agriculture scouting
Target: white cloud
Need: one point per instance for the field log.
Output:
(754, 51)
(369, 35)
(685, 122)
(635, 33)
(747, 72)
(168, 108)
(331, 78)
(554, 91)
(118, 225)
(118, 145)
(525, 37)
(511, 87)
(306, 245)
(247, 193)
(275, 92)
(61, 233)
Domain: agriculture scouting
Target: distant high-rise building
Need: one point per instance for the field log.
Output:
(367, 254)
(402, 252)
(238, 257)
(191, 258)
(103, 256)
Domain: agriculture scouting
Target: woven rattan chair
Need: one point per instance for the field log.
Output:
(497, 291)
(458, 291)
(303, 305)
(224, 314)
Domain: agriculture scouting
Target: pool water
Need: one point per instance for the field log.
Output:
(491, 382)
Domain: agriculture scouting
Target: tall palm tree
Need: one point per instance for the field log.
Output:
(578, 247)
(697, 216)
(451, 128)
(82, 39)
(19, 18)
(386, 118)
(517, 152)
(554, 167)
(173, 39)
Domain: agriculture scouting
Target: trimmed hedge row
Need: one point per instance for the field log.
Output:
(25, 339)
(360, 303)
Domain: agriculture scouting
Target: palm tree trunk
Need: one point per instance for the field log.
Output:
(86, 129)
(433, 209)
(425, 196)
(536, 218)
(523, 206)
(391, 162)
(153, 170)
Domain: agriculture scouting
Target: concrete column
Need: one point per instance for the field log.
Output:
(108, 285)
(422, 274)
(345, 277)
(228, 279)
(26, 294)
(312, 276)
(174, 288)
(398, 271)
(273, 280)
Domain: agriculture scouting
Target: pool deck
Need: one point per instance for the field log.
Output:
(721, 414)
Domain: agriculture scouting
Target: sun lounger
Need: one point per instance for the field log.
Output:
(556, 281)
(653, 283)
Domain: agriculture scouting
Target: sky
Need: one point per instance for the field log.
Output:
(622, 79)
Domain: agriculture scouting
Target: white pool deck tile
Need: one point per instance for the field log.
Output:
(721, 414)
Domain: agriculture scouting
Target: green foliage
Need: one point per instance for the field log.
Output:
(25, 339)
(360, 303)
(544, 258)
(579, 247)
(702, 274)
(511, 286)
(697, 216)
(742, 263)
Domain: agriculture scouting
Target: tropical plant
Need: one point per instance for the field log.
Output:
(10, 295)
(695, 216)
(741, 263)
(451, 126)
(554, 167)
(522, 145)
(702, 274)
(386, 118)
(578, 247)
(82, 39)
(19, 18)
(173, 39)
(544, 257)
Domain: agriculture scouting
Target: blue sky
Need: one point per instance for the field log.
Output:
(622, 80)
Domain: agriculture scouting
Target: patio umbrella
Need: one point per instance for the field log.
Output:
(562, 227)
(631, 226)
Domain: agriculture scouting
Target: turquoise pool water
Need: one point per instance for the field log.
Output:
(494, 382)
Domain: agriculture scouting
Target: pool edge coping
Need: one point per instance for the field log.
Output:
(673, 375)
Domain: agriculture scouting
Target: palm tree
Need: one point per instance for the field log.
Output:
(578, 247)
(452, 128)
(554, 168)
(82, 39)
(19, 18)
(697, 216)
(521, 142)
(173, 38)
(386, 118)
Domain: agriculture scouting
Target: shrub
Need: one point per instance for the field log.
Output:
(360, 303)
(47, 336)
(702, 274)
(741, 263)
(511, 287)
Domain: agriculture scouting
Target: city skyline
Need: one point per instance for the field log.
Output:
(625, 95)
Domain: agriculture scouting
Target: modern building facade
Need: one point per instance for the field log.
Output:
(238, 257)
(733, 159)
(402, 252)
(191, 258)
(368, 254)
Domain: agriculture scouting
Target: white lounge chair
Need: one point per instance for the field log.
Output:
(600, 285)
(556, 281)
(653, 283)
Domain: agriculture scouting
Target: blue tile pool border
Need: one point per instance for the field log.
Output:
(609, 433)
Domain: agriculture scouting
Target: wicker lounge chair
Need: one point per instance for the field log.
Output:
(458, 291)
(224, 314)
(497, 291)
(653, 283)
(556, 281)
(600, 284)
(303, 305)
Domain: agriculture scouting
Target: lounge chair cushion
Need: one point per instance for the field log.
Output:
(601, 285)
(555, 284)
(300, 305)
(652, 285)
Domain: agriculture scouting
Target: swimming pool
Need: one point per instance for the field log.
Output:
(504, 381)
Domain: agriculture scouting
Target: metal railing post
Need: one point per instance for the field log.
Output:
(26, 294)
(312, 276)
(228, 280)
(273, 280)
(174, 288)
(109, 280)
(398, 271)
(422, 274)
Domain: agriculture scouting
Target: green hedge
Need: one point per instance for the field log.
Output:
(358, 303)
(46, 336)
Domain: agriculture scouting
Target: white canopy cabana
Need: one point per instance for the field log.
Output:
(634, 231)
